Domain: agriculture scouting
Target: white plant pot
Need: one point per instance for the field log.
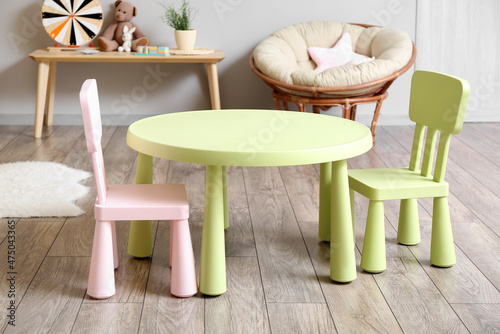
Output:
(185, 39)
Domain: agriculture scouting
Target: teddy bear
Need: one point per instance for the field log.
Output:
(112, 38)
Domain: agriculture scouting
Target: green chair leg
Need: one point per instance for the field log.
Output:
(373, 256)
(442, 246)
(353, 216)
(409, 226)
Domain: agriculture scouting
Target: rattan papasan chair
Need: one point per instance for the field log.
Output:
(283, 61)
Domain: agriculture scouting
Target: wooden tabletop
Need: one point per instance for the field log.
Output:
(44, 55)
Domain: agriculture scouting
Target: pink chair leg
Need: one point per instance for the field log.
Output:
(184, 282)
(115, 246)
(171, 238)
(102, 275)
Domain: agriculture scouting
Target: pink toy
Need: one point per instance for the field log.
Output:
(132, 202)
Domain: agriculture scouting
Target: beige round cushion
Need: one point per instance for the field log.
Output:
(283, 56)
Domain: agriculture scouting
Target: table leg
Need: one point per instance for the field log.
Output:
(51, 92)
(41, 95)
(213, 258)
(325, 202)
(224, 190)
(140, 242)
(342, 259)
(213, 84)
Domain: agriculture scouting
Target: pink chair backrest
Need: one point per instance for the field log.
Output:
(91, 113)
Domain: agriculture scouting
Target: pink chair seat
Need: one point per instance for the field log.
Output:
(144, 202)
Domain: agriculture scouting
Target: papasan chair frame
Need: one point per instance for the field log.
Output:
(371, 92)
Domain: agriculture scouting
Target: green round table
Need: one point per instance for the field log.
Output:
(220, 138)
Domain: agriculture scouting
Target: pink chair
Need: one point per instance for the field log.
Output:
(132, 202)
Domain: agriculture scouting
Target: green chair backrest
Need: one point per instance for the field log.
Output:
(437, 102)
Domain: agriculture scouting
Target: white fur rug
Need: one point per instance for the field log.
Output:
(40, 189)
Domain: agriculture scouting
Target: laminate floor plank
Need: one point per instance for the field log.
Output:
(286, 269)
(302, 186)
(479, 318)
(33, 238)
(263, 180)
(477, 198)
(54, 297)
(193, 178)
(389, 143)
(162, 312)
(482, 247)
(242, 309)
(488, 131)
(476, 165)
(22, 147)
(415, 301)
(300, 318)
(56, 147)
(4, 227)
(356, 307)
(475, 139)
(79, 156)
(119, 318)
(239, 238)
(119, 158)
(8, 133)
(461, 283)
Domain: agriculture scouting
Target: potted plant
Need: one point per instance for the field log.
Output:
(180, 19)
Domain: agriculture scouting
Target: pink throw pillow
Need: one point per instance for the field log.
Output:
(340, 54)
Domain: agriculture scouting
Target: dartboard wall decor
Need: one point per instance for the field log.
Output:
(72, 22)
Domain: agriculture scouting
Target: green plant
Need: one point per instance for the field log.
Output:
(179, 19)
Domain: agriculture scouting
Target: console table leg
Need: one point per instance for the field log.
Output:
(51, 90)
(140, 242)
(41, 95)
(213, 84)
(213, 257)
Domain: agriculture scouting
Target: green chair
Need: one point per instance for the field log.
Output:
(437, 102)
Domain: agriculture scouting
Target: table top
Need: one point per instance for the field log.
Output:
(121, 57)
(249, 137)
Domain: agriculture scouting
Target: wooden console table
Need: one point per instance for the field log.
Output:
(47, 64)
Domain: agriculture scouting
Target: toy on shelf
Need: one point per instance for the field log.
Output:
(127, 39)
(153, 51)
(112, 37)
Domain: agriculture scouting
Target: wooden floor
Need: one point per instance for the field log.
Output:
(277, 269)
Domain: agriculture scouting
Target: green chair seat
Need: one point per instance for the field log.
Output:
(384, 184)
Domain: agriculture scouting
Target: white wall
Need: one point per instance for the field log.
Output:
(234, 26)
(467, 45)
